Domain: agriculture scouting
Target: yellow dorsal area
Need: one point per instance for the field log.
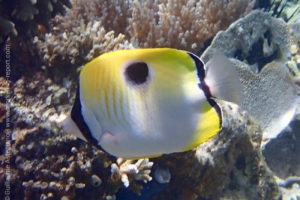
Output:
(169, 65)
(208, 126)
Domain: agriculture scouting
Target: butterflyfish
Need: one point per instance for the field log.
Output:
(148, 102)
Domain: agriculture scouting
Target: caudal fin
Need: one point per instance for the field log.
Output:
(223, 79)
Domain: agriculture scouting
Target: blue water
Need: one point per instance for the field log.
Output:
(149, 189)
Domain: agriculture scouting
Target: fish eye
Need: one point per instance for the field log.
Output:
(137, 73)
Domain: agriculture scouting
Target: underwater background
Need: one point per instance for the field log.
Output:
(44, 44)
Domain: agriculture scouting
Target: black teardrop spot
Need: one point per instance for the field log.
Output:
(137, 73)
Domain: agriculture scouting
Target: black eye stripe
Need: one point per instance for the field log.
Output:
(137, 73)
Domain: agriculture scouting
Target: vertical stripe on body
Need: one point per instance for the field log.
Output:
(125, 109)
(112, 98)
(106, 87)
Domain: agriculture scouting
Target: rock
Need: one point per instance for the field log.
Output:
(95, 180)
(253, 40)
(270, 95)
(266, 61)
(282, 154)
(162, 175)
(24, 18)
(295, 29)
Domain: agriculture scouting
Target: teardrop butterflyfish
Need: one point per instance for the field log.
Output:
(148, 102)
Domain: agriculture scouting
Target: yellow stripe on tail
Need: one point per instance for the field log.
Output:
(208, 126)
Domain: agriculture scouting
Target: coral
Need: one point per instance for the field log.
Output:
(3, 91)
(281, 154)
(294, 62)
(126, 170)
(288, 10)
(289, 182)
(270, 95)
(80, 45)
(50, 166)
(22, 18)
(100, 27)
(46, 165)
(253, 41)
(38, 100)
(290, 194)
(20, 21)
(182, 24)
(95, 180)
(272, 90)
(162, 175)
(290, 188)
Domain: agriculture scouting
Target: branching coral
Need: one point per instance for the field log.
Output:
(81, 44)
(101, 26)
(23, 17)
(127, 170)
(184, 24)
(50, 166)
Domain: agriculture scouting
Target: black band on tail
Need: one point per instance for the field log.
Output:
(201, 75)
(199, 66)
(77, 117)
